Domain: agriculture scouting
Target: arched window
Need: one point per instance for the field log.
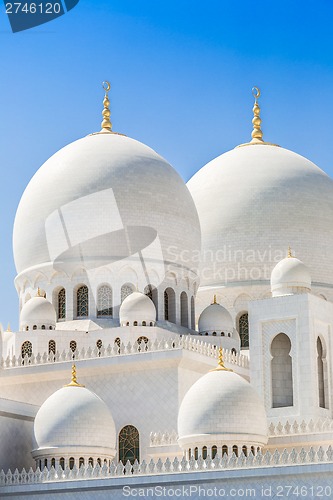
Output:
(224, 450)
(170, 305)
(99, 462)
(26, 349)
(143, 341)
(214, 334)
(183, 309)
(52, 347)
(135, 323)
(62, 463)
(129, 444)
(26, 328)
(72, 345)
(192, 313)
(91, 462)
(82, 304)
(281, 372)
(71, 463)
(233, 351)
(52, 462)
(235, 450)
(152, 293)
(43, 327)
(126, 290)
(244, 450)
(104, 301)
(204, 452)
(253, 451)
(81, 461)
(214, 451)
(243, 329)
(322, 375)
(144, 323)
(196, 453)
(62, 304)
(34, 327)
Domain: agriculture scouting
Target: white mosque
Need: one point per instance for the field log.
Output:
(169, 337)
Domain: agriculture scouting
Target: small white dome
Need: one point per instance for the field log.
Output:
(38, 312)
(289, 276)
(137, 308)
(74, 417)
(215, 318)
(221, 408)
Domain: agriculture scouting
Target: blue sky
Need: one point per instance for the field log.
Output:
(181, 74)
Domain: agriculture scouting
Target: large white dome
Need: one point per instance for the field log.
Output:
(100, 199)
(215, 318)
(252, 203)
(221, 407)
(74, 417)
(290, 275)
(37, 312)
(137, 308)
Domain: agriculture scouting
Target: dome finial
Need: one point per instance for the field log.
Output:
(8, 328)
(256, 120)
(290, 255)
(38, 294)
(220, 365)
(214, 300)
(74, 382)
(106, 123)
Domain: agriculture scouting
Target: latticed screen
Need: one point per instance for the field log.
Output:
(52, 347)
(244, 329)
(26, 349)
(129, 444)
(104, 301)
(126, 290)
(82, 301)
(72, 345)
(62, 304)
(166, 306)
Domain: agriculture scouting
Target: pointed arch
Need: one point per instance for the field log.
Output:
(129, 444)
(184, 309)
(243, 329)
(126, 290)
(281, 372)
(104, 301)
(82, 301)
(322, 374)
(170, 305)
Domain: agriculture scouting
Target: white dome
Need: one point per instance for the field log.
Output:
(221, 408)
(289, 276)
(252, 203)
(37, 311)
(99, 200)
(137, 307)
(215, 318)
(74, 417)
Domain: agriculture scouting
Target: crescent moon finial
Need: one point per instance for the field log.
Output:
(106, 86)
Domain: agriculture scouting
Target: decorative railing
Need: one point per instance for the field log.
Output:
(176, 466)
(283, 429)
(184, 342)
(163, 438)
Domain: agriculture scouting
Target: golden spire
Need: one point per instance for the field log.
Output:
(257, 133)
(256, 120)
(290, 255)
(106, 113)
(220, 365)
(214, 300)
(38, 294)
(74, 382)
(8, 328)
